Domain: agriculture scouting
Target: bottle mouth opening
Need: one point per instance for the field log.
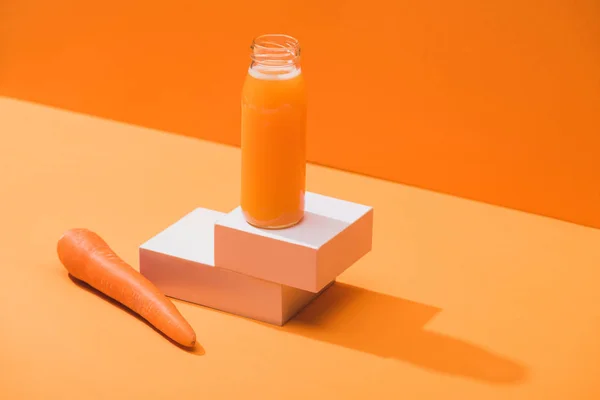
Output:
(275, 50)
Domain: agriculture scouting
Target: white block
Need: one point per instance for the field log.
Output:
(180, 262)
(333, 235)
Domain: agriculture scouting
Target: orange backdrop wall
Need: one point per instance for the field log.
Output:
(497, 101)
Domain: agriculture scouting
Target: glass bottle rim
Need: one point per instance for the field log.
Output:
(275, 48)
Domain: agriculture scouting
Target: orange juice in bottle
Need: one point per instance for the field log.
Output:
(273, 138)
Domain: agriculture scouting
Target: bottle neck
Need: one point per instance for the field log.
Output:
(275, 55)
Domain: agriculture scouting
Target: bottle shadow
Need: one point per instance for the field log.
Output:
(197, 350)
(392, 327)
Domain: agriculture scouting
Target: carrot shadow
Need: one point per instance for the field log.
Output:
(392, 327)
(197, 350)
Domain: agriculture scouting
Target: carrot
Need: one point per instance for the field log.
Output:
(87, 257)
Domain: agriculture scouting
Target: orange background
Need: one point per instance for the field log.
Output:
(458, 300)
(495, 101)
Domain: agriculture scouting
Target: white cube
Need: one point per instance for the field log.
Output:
(180, 262)
(333, 235)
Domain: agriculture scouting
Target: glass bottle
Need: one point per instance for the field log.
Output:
(273, 134)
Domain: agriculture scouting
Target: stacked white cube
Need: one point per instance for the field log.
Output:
(220, 261)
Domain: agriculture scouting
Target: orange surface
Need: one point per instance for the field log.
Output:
(273, 132)
(458, 299)
(492, 100)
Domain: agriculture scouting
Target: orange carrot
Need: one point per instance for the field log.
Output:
(88, 258)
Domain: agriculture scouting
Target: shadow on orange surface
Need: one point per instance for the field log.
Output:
(198, 350)
(392, 327)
